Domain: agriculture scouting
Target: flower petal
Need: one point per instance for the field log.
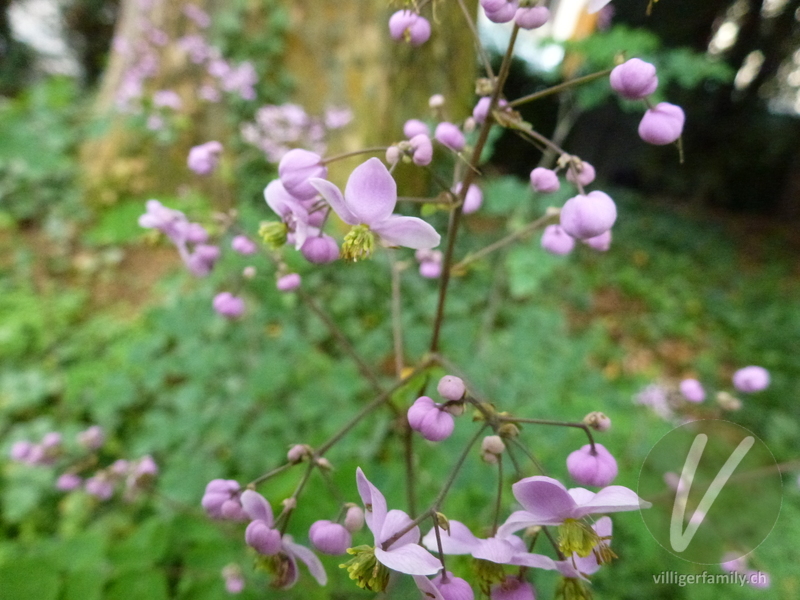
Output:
(544, 498)
(409, 232)
(371, 192)
(581, 495)
(495, 550)
(256, 507)
(427, 588)
(411, 559)
(537, 561)
(614, 498)
(460, 540)
(374, 503)
(397, 520)
(309, 558)
(334, 197)
(522, 519)
(596, 5)
(279, 200)
(603, 528)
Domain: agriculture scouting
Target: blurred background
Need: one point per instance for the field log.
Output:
(100, 102)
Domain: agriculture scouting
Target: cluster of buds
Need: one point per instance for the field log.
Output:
(522, 12)
(435, 421)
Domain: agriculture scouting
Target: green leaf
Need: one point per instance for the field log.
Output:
(138, 585)
(28, 579)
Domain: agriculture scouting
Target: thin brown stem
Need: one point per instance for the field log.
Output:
(439, 544)
(583, 426)
(344, 155)
(559, 88)
(487, 64)
(268, 475)
(499, 501)
(291, 502)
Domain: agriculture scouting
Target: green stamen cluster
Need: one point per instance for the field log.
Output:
(359, 244)
(488, 574)
(365, 569)
(578, 537)
(273, 233)
(572, 589)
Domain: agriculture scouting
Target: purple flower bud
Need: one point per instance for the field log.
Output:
(427, 417)
(473, 200)
(662, 124)
(436, 101)
(544, 180)
(320, 250)
(296, 168)
(21, 450)
(202, 260)
(194, 233)
(354, 519)
(51, 440)
(601, 243)
(454, 588)
(500, 11)
(263, 538)
(234, 581)
(92, 438)
(597, 469)
(203, 159)
(405, 25)
(597, 421)
(513, 589)
(218, 491)
(330, 538)
(451, 387)
(298, 453)
(244, 245)
(481, 110)
(751, 379)
(120, 467)
(393, 155)
(430, 269)
(557, 241)
(146, 467)
(692, 390)
(68, 482)
(232, 510)
(634, 79)
(228, 305)
(532, 18)
(99, 487)
(414, 127)
(423, 149)
(588, 216)
(586, 174)
(289, 282)
(450, 135)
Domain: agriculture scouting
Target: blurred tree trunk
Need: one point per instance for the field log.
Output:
(338, 53)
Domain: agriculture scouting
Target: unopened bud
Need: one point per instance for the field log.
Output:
(249, 272)
(493, 444)
(470, 125)
(451, 387)
(298, 453)
(455, 408)
(443, 522)
(484, 87)
(393, 155)
(728, 401)
(508, 431)
(354, 518)
(597, 421)
(290, 503)
(436, 101)
(324, 464)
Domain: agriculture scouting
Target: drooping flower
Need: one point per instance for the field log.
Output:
(221, 500)
(692, 390)
(288, 283)
(430, 419)
(544, 180)
(320, 249)
(588, 216)
(408, 26)
(481, 110)
(513, 588)
(228, 305)
(430, 263)
(500, 11)
(280, 553)
(450, 135)
(367, 204)
(422, 149)
(329, 538)
(370, 565)
(451, 387)
(472, 200)
(579, 567)
(582, 173)
(634, 79)
(557, 241)
(203, 159)
(296, 168)
(592, 466)
(751, 379)
(414, 127)
(601, 242)
(662, 124)
(441, 588)
(293, 214)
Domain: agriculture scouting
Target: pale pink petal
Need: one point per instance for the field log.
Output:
(537, 561)
(256, 507)
(460, 540)
(522, 519)
(309, 558)
(411, 559)
(374, 503)
(371, 192)
(397, 520)
(409, 232)
(595, 5)
(427, 588)
(571, 567)
(494, 550)
(544, 498)
(581, 495)
(603, 528)
(334, 197)
(614, 498)
(279, 200)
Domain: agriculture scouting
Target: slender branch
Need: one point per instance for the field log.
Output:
(583, 426)
(291, 503)
(441, 550)
(487, 64)
(397, 316)
(549, 217)
(375, 403)
(560, 87)
(499, 501)
(411, 478)
(530, 455)
(268, 475)
(373, 150)
(365, 369)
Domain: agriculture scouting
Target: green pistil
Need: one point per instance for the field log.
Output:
(572, 589)
(365, 569)
(273, 233)
(359, 244)
(277, 565)
(578, 537)
(488, 574)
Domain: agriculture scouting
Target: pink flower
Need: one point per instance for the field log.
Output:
(430, 263)
(228, 305)
(473, 199)
(243, 245)
(579, 567)
(450, 135)
(296, 168)
(588, 216)
(451, 387)
(290, 210)
(203, 159)
(405, 25)
(500, 11)
(329, 538)
(221, 500)
(585, 173)
(68, 482)
(532, 18)
(92, 438)
(481, 110)
(320, 249)
(662, 124)
(751, 379)
(414, 127)
(513, 588)
(544, 180)
(262, 536)
(601, 242)
(547, 502)
(587, 467)
(557, 241)
(289, 282)
(422, 149)
(634, 79)
(453, 588)
(368, 202)
(692, 390)
(596, 5)
(404, 555)
(430, 419)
